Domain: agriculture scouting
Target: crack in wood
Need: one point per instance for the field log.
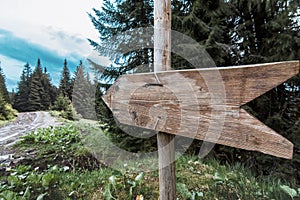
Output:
(153, 84)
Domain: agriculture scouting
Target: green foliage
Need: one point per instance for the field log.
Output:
(64, 105)
(233, 32)
(26, 183)
(59, 145)
(40, 88)
(35, 91)
(3, 88)
(50, 91)
(65, 85)
(186, 194)
(197, 180)
(290, 191)
(116, 17)
(266, 30)
(207, 23)
(128, 186)
(57, 135)
(83, 96)
(6, 110)
(21, 101)
(44, 173)
(275, 38)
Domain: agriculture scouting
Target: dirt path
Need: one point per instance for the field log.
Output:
(25, 122)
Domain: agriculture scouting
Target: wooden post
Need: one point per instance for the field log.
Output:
(162, 62)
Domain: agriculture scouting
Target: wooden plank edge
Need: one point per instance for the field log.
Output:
(293, 62)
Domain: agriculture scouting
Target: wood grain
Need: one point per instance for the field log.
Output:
(162, 62)
(204, 104)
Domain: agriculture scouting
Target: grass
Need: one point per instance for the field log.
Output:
(58, 165)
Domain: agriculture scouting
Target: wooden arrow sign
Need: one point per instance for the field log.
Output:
(204, 104)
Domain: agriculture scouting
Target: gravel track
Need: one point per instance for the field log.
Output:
(24, 123)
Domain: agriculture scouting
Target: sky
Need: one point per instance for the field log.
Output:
(51, 30)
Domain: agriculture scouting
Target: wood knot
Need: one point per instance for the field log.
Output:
(134, 115)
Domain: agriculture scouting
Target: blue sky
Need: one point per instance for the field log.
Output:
(51, 30)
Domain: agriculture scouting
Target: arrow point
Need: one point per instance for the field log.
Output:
(107, 100)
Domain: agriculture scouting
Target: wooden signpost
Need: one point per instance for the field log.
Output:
(182, 103)
(138, 100)
(162, 62)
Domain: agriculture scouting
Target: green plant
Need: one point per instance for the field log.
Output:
(57, 165)
(290, 191)
(64, 105)
(58, 145)
(186, 194)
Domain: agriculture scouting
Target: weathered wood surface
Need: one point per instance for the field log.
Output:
(162, 35)
(162, 62)
(193, 103)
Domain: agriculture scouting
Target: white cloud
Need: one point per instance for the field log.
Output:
(12, 70)
(60, 25)
(69, 15)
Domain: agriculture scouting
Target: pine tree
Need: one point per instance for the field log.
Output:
(268, 31)
(49, 90)
(265, 31)
(114, 19)
(65, 87)
(42, 94)
(3, 88)
(21, 101)
(118, 17)
(2, 107)
(37, 92)
(233, 32)
(83, 96)
(206, 22)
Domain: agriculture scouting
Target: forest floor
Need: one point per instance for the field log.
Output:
(25, 122)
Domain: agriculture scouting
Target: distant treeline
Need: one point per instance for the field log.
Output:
(35, 92)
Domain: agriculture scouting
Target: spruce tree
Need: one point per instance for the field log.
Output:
(268, 31)
(233, 32)
(2, 107)
(49, 90)
(3, 88)
(65, 87)
(36, 89)
(83, 96)
(265, 31)
(40, 90)
(115, 18)
(206, 22)
(21, 101)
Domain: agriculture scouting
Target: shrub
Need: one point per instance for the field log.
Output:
(64, 105)
(6, 110)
